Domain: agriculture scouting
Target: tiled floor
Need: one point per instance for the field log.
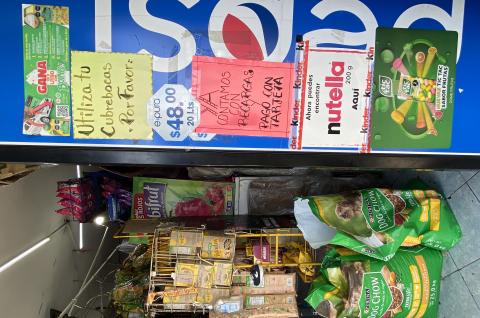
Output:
(460, 289)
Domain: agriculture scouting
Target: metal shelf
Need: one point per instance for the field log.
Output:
(172, 157)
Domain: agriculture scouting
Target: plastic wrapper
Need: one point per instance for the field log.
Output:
(77, 199)
(131, 282)
(275, 195)
(353, 285)
(376, 222)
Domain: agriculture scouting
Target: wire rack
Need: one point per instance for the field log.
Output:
(173, 246)
(166, 294)
(277, 242)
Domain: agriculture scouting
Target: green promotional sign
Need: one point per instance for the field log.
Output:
(46, 59)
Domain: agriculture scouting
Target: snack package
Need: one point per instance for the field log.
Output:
(222, 273)
(154, 197)
(185, 242)
(273, 283)
(78, 199)
(186, 275)
(218, 245)
(376, 222)
(354, 285)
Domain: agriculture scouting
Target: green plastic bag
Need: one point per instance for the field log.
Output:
(376, 222)
(354, 285)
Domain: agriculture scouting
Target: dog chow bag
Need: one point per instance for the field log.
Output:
(376, 222)
(354, 285)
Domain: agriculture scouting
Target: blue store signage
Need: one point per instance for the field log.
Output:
(175, 30)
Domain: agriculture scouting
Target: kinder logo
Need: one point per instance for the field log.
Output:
(42, 77)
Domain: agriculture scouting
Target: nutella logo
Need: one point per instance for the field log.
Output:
(42, 77)
(335, 84)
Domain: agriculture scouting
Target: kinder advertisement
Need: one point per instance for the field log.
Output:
(335, 93)
(256, 30)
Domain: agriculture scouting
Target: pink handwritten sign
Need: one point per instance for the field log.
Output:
(243, 97)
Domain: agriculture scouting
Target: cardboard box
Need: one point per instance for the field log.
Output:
(269, 311)
(273, 284)
(211, 295)
(254, 301)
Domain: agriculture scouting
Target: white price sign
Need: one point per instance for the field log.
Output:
(173, 113)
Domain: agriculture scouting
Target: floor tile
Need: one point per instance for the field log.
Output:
(467, 211)
(471, 275)
(455, 298)
(468, 174)
(446, 182)
(399, 179)
(448, 265)
(474, 184)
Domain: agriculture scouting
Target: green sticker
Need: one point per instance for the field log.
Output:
(46, 61)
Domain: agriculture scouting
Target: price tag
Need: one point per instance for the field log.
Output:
(173, 113)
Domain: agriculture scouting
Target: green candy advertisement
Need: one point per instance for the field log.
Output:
(46, 59)
(414, 88)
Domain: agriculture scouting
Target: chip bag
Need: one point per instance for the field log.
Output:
(354, 285)
(376, 222)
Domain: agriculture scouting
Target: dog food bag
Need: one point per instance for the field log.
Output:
(354, 285)
(376, 222)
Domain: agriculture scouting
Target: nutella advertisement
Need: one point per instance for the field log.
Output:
(334, 92)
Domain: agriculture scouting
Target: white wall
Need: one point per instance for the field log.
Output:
(50, 276)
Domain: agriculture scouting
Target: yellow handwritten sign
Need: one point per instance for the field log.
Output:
(110, 92)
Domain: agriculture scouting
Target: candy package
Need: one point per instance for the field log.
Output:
(77, 199)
